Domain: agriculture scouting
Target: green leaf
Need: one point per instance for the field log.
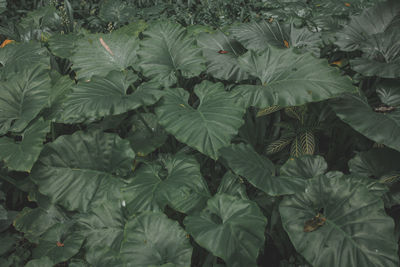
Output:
(42, 262)
(174, 180)
(259, 171)
(116, 11)
(153, 239)
(375, 162)
(59, 243)
(17, 57)
(289, 79)
(20, 156)
(305, 167)
(233, 185)
(83, 169)
(145, 139)
(222, 66)
(388, 92)
(104, 96)
(103, 226)
(353, 216)
(230, 228)
(63, 45)
(22, 97)
(259, 35)
(383, 128)
(167, 50)
(371, 21)
(98, 54)
(278, 145)
(61, 87)
(208, 127)
(35, 222)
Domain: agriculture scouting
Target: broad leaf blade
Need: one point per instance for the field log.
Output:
(153, 239)
(222, 53)
(260, 171)
(289, 79)
(175, 181)
(22, 97)
(352, 217)
(98, 54)
(383, 128)
(83, 169)
(230, 228)
(20, 156)
(167, 50)
(207, 128)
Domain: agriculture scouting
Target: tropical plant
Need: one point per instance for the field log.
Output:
(199, 133)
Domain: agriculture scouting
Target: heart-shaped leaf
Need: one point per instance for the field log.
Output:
(208, 127)
(175, 181)
(230, 228)
(153, 239)
(167, 50)
(290, 79)
(83, 169)
(346, 217)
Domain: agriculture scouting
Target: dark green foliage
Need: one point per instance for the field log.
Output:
(199, 133)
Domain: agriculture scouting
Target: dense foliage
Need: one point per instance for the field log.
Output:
(199, 133)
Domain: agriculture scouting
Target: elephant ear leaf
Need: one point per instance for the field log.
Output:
(83, 169)
(151, 239)
(356, 111)
(98, 54)
(20, 156)
(336, 216)
(290, 79)
(208, 127)
(166, 51)
(222, 53)
(23, 96)
(260, 171)
(230, 228)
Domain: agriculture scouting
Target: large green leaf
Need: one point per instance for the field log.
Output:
(42, 262)
(153, 239)
(98, 54)
(35, 222)
(20, 156)
(63, 45)
(167, 51)
(104, 96)
(16, 57)
(103, 226)
(383, 128)
(305, 166)
(83, 169)
(260, 171)
(116, 11)
(145, 138)
(59, 243)
(222, 66)
(290, 79)
(208, 127)
(375, 162)
(372, 21)
(175, 181)
(232, 184)
(349, 236)
(259, 36)
(22, 97)
(230, 228)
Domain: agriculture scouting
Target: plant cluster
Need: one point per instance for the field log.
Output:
(199, 133)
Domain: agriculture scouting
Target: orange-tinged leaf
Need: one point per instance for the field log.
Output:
(338, 62)
(59, 244)
(286, 43)
(6, 42)
(347, 4)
